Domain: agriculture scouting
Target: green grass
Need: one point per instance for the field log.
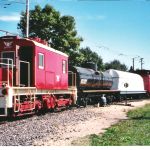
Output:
(134, 131)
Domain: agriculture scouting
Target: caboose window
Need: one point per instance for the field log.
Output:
(41, 60)
(7, 57)
(64, 66)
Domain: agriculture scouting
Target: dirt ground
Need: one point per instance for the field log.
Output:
(76, 134)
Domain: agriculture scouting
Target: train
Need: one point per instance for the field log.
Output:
(35, 78)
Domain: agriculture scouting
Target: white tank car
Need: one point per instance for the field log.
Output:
(126, 82)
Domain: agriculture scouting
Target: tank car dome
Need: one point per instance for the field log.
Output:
(126, 81)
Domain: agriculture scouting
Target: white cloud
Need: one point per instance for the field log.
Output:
(12, 17)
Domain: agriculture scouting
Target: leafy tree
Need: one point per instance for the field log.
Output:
(49, 25)
(115, 64)
(87, 55)
(76, 58)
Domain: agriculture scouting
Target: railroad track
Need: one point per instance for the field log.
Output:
(26, 131)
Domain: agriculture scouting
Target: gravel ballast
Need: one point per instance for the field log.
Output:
(55, 129)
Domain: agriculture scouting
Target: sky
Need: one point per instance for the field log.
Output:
(115, 29)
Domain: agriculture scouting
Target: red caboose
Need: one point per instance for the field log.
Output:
(40, 66)
(33, 76)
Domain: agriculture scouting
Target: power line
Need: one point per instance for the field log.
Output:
(27, 12)
(115, 51)
(7, 32)
(133, 57)
(8, 3)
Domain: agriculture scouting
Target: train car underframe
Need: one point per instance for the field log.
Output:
(17, 101)
(86, 97)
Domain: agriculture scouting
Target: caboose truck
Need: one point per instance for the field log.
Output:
(33, 77)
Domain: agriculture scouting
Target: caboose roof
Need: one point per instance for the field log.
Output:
(47, 47)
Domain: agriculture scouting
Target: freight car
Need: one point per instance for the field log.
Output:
(129, 85)
(91, 84)
(145, 74)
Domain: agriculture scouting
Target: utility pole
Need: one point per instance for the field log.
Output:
(141, 61)
(133, 63)
(27, 17)
(133, 60)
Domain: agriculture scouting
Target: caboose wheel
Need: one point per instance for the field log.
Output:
(10, 114)
(38, 112)
(84, 103)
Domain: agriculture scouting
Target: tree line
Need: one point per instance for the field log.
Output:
(60, 33)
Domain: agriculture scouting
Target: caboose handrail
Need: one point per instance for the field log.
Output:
(73, 78)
